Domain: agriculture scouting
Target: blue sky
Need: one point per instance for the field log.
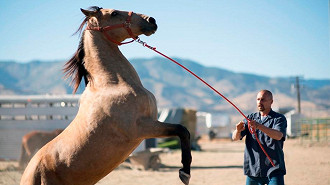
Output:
(276, 38)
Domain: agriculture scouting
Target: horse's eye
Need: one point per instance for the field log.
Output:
(114, 13)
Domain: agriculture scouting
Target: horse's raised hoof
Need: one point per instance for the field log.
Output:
(184, 177)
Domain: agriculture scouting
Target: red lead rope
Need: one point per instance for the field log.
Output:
(126, 25)
(252, 131)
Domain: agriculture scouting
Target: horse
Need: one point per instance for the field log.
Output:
(32, 142)
(116, 112)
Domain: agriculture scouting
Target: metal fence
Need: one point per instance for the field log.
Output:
(314, 130)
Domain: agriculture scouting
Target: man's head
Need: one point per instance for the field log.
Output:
(264, 101)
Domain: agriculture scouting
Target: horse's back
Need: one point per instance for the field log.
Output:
(37, 139)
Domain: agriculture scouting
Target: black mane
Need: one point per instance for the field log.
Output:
(75, 68)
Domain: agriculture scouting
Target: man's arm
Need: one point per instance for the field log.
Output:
(275, 134)
(237, 132)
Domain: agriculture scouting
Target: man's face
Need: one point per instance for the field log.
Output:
(264, 102)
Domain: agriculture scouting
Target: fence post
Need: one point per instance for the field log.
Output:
(326, 130)
(311, 128)
(318, 130)
(301, 131)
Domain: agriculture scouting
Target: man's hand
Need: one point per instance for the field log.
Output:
(240, 126)
(237, 133)
(275, 134)
(254, 125)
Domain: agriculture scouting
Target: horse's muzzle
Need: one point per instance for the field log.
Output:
(152, 20)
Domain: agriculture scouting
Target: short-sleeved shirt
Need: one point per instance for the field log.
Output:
(256, 163)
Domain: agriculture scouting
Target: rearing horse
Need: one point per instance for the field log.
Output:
(116, 112)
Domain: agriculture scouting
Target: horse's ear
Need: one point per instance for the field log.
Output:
(88, 13)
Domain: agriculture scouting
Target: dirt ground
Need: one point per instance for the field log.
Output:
(220, 163)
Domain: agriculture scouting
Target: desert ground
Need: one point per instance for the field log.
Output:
(219, 163)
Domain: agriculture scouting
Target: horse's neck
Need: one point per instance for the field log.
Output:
(106, 64)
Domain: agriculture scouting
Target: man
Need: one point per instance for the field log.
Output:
(270, 128)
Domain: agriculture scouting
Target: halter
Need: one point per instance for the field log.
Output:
(126, 25)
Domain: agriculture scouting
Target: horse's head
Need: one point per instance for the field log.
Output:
(116, 26)
(119, 25)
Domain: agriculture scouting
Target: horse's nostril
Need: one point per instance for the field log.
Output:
(152, 20)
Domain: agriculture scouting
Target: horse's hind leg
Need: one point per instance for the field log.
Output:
(154, 129)
(23, 158)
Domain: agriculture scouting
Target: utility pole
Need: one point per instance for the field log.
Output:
(297, 86)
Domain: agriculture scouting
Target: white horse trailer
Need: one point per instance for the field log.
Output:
(22, 114)
(218, 123)
(293, 123)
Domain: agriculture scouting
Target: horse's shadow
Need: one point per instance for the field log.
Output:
(173, 168)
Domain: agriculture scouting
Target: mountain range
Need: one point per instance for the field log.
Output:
(175, 87)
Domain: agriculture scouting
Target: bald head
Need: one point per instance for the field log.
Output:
(264, 101)
(267, 94)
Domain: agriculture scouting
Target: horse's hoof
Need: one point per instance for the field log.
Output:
(184, 177)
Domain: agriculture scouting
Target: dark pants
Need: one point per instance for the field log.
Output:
(274, 180)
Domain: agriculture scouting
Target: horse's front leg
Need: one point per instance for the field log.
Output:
(156, 129)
